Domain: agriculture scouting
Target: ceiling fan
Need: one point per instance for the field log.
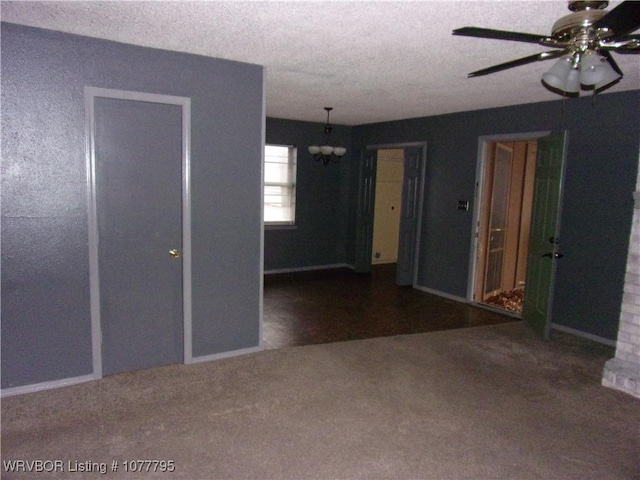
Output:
(584, 41)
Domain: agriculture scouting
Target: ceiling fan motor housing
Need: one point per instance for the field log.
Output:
(573, 24)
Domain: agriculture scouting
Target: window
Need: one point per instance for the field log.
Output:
(279, 185)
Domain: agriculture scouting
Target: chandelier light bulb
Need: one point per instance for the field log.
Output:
(326, 150)
(339, 151)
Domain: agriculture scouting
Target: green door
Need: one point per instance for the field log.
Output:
(544, 238)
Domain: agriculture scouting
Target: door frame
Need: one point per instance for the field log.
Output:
(403, 145)
(90, 94)
(481, 165)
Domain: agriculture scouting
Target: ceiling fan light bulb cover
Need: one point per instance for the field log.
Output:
(573, 82)
(314, 149)
(609, 76)
(592, 68)
(326, 150)
(339, 151)
(558, 75)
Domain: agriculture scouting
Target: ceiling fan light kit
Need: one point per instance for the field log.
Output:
(584, 39)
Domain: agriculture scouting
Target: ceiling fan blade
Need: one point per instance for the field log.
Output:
(623, 19)
(499, 34)
(518, 62)
(626, 50)
(612, 62)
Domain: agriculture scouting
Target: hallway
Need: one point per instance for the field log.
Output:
(325, 306)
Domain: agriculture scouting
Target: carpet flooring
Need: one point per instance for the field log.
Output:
(491, 402)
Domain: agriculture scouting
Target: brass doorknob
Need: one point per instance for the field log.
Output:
(174, 252)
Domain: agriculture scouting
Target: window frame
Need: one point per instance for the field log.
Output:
(291, 186)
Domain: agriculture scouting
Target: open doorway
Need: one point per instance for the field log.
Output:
(517, 225)
(504, 220)
(387, 209)
(408, 208)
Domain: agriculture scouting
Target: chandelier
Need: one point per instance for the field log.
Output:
(326, 153)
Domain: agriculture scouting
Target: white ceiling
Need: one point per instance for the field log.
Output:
(371, 60)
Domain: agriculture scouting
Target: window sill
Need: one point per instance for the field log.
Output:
(279, 226)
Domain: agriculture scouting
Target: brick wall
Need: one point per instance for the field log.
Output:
(623, 371)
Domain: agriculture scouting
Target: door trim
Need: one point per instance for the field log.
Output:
(483, 142)
(423, 169)
(90, 94)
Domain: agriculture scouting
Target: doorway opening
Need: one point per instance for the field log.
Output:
(392, 162)
(387, 209)
(504, 224)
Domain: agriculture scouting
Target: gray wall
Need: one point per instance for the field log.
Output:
(602, 162)
(46, 331)
(320, 236)
(45, 287)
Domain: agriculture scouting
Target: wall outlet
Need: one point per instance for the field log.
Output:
(463, 204)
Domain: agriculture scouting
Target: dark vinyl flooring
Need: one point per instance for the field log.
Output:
(336, 305)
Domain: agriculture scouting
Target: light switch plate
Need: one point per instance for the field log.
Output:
(463, 204)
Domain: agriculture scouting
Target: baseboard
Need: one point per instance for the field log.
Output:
(65, 382)
(220, 356)
(588, 336)
(38, 387)
(455, 298)
(306, 269)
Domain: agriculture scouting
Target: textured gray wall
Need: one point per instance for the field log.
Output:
(320, 236)
(602, 161)
(46, 331)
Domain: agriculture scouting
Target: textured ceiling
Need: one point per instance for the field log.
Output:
(372, 61)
